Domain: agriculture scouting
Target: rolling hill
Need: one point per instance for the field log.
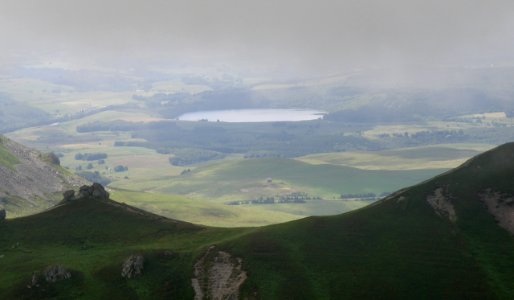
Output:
(449, 237)
(30, 181)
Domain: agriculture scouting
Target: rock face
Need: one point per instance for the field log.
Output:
(96, 191)
(442, 205)
(218, 275)
(3, 214)
(133, 266)
(501, 206)
(69, 195)
(56, 273)
(50, 274)
(33, 181)
(36, 280)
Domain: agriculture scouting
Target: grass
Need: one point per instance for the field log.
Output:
(416, 158)
(200, 211)
(397, 248)
(93, 238)
(152, 183)
(6, 158)
(242, 178)
(205, 212)
(144, 165)
(60, 99)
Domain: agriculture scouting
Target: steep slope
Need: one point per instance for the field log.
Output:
(30, 181)
(89, 238)
(448, 238)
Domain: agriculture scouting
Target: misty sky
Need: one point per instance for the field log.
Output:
(309, 35)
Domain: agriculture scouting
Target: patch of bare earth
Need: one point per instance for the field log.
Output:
(501, 206)
(442, 205)
(218, 275)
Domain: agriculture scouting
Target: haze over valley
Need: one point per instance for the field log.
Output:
(211, 150)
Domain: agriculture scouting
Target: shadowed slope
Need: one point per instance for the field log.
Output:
(400, 247)
(438, 239)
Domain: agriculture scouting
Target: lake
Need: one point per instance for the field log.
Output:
(253, 115)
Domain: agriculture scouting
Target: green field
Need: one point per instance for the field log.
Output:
(233, 179)
(415, 158)
(198, 192)
(212, 213)
(204, 190)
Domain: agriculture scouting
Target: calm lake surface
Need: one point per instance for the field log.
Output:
(253, 115)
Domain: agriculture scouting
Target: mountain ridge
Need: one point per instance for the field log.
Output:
(437, 239)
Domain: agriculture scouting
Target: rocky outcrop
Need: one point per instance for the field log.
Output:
(501, 206)
(218, 275)
(3, 214)
(56, 273)
(50, 274)
(442, 205)
(96, 191)
(133, 266)
(69, 196)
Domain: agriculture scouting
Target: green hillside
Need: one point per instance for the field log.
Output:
(228, 178)
(431, 241)
(397, 248)
(92, 238)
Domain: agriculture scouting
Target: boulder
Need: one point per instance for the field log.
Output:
(53, 159)
(98, 191)
(69, 195)
(36, 280)
(84, 192)
(133, 266)
(94, 191)
(55, 273)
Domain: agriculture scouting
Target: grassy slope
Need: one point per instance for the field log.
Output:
(217, 214)
(93, 238)
(396, 248)
(6, 158)
(202, 212)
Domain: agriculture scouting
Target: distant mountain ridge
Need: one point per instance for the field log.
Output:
(31, 181)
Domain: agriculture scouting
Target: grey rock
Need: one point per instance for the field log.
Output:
(98, 191)
(55, 273)
(36, 280)
(69, 195)
(218, 275)
(133, 266)
(94, 191)
(53, 159)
